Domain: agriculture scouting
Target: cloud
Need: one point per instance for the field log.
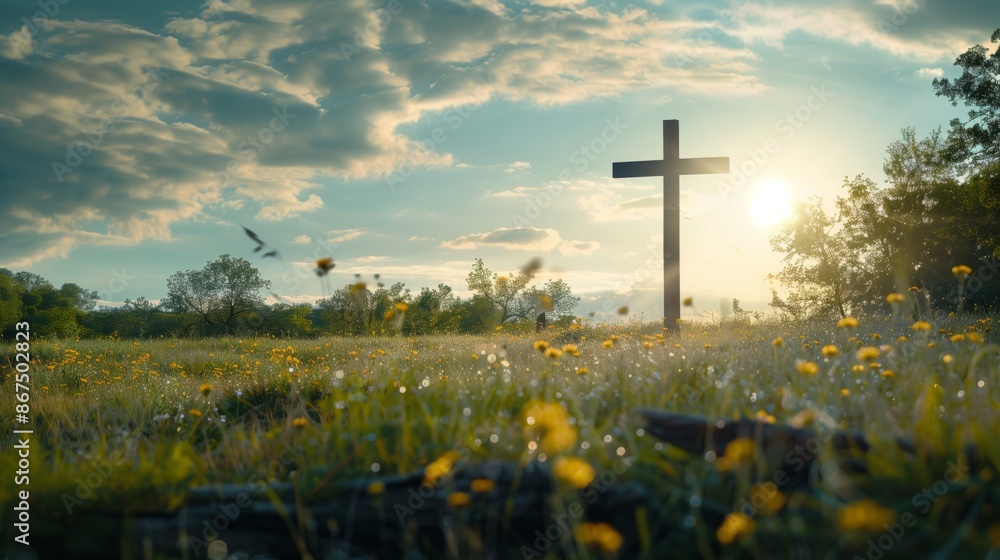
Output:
(517, 166)
(576, 248)
(516, 192)
(418, 238)
(520, 238)
(929, 73)
(302, 240)
(342, 235)
(372, 258)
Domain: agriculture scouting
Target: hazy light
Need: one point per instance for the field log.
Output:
(770, 204)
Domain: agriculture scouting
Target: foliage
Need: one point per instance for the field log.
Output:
(220, 296)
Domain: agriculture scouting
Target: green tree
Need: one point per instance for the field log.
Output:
(500, 293)
(221, 295)
(11, 309)
(976, 141)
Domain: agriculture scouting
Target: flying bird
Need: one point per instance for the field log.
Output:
(260, 244)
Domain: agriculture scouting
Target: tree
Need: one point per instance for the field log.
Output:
(500, 293)
(975, 141)
(220, 295)
(10, 301)
(816, 261)
(555, 297)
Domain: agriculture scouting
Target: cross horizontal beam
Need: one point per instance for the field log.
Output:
(658, 168)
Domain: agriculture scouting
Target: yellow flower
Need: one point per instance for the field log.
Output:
(558, 439)
(961, 271)
(734, 527)
(574, 471)
(599, 535)
(481, 485)
(205, 388)
(865, 515)
(440, 468)
(582, 371)
(541, 345)
(888, 373)
(300, 422)
(895, 298)
(194, 413)
(765, 417)
(687, 302)
(847, 323)
(389, 314)
(868, 353)
(376, 488)
(957, 337)
(777, 343)
(571, 349)
(458, 499)
(608, 344)
(902, 339)
(402, 307)
(859, 369)
(830, 350)
(974, 337)
(358, 287)
(947, 358)
(921, 326)
(708, 346)
(806, 368)
(739, 452)
(554, 353)
(773, 499)
(845, 392)
(545, 302)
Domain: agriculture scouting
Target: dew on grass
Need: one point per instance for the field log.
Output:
(710, 456)
(467, 411)
(607, 438)
(585, 445)
(376, 467)
(494, 438)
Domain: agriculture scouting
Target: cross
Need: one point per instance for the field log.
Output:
(671, 167)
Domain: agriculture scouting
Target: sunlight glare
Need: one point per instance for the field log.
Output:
(770, 204)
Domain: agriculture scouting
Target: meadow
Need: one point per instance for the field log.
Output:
(126, 428)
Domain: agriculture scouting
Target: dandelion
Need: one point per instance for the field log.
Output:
(376, 488)
(957, 337)
(895, 298)
(574, 471)
(974, 337)
(481, 485)
(865, 515)
(830, 350)
(458, 499)
(921, 326)
(558, 439)
(205, 389)
(806, 368)
(902, 339)
(440, 468)
(888, 373)
(358, 287)
(947, 358)
(845, 392)
(739, 452)
(541, 345)
(847, 323)
(582, 371)
(769, 496)
(300, 422)
(194, 413)
(554, 353)
(859, 369)
(868, 353)
(734, 527)
(961, 271)
(777, 343)
(765, 417)
(599, 535)
(571, 349)
(608, 344)
(402, 307)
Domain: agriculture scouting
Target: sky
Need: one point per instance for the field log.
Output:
(408, 138)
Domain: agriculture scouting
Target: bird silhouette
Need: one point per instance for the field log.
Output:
(260, 244)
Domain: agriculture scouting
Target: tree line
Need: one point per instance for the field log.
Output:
(939, 211)
(225, 298)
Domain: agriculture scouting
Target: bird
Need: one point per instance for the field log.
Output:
(260, 244)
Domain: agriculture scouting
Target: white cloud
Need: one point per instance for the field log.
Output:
(517, 166)
(302, 240)
(929, 73)
(371, 258)
(576, 248)
(342, 235)
(418, 238)
(516, 192)
(520, 238)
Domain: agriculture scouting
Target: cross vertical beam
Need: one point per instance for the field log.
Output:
(671, 167)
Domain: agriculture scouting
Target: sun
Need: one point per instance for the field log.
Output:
(770, 204)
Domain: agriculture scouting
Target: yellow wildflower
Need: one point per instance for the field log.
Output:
(599, 535)
(481, 485)
(865, 515)
(847, 323)
(830, 350)
(868, 353)
(574, 471)
(806, 368)
(376, 488)
(734, 527)
(458, 499)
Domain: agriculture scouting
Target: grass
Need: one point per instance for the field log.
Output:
(170, 415)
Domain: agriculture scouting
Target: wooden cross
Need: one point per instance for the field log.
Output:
(671, 167)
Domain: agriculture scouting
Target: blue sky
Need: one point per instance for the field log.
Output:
(408, 138)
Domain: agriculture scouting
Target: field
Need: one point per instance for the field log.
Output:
(130, 431)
